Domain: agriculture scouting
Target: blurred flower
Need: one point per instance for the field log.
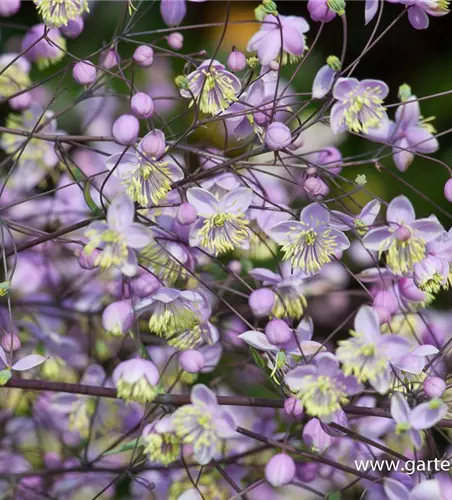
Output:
(56, 13)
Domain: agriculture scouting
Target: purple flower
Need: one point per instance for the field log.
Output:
(125, 130)
(43, 50)
(203, 424)
(419, 10)
(427, 489)
(211, 87)
(173, 11)
(222, 225)
(319, 11)
(368, 354)
(280, 470)
(136, 380)
(310, 243)
(145, 178)
(286, 29)
(404, 239)
(118, 237)
(56, 13)
(359, 105)
(84, 73)
(277, 136)
(322, 387)
(361, 222)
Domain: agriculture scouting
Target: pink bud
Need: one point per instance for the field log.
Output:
(126, 129)
(191, 361)
(319, 11)
(448, 190)
(278, 332)
(186, 214)
(10, 342)
(434, 387)
(307, 471)
(173, 11)
(261, 302)
(315, 187)
(142, 105)
(277, 136)
(236, 61)
(21, 102)
(280, 470)
(293, 408)
(73, 28)
(84, 73)
(145, 284)
(87, 261)
(9, 7)
(176, 41)
(109, 59)
(117, 317)
(144, 56)
(235, 266)
(153, 144)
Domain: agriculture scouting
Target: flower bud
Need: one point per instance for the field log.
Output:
(21, 102)
(73, 28)
(145, 284)
(87, 261)
(9, 7)
(320, 11)
(280, 470)
(307, 471)
(126, 129)
(337, 6)
(153, 144)
(261, 302)
(144, 56)
(235, 266)
(331, 159)
(433, 335)
(142, 105)
(448, 190)
(410, 291)
(315, 187)
(434, 387)
(173, 11)
(10, 342)
(191, 361)
(84, 73)
(277, 136)
(293, 408)
(108, 59)
(117, 317)
(278, 332)
(186, 214)
(236, 61)
(176, 41)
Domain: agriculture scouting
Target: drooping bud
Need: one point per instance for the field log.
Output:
(186, 214)
(21, 102)
(173, 11)
(278, 332)
(108, 59)
(84, 73)
(117, 317)
(142, 105)
(315, 187)
(277, 136)
(434, 387)
(280, 470)
(153, 143)
(192, 361)
(126, 129)
(261, 302)
(10, 342)
(448, 190)
(236, 61)
(176, 41)
(319, 10)
(144, 56)
(9, 7)
(74, 28)
(293, 408)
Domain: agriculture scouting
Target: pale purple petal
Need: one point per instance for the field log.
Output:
(427, 489)
(400, 411)
(265, 275)
(421, 140)
(370, 212)
(138, 236)
(284, 232)
(341, 221)
(120, 213)
(270, 48)
(205, 203)
(237, 201)
(395, 490)
(322, 82)
(3, 356)
(124, 165)
(344, 86)
(418, 18)
(341, 241)
(411, 364)
(425, 350)
(400, 210)
(337, 118)
(315, 215)
(327, 364)
(294, 379)
(258, 340)
(425, 417)
(377, 238)
(28, 362)
(305, 329)
(202, 395)
(293, 40)
(166, 295)
(408, 113)
(224, 423)
(375, 84)
(370, 9)
(428, 229)
(367, 323)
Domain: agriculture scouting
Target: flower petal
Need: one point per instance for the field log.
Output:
(237, 201)
(400, 411)
(395, 490)
(202, 395)
(258, 340)
(400, 210)
(120, 213)
(429, 488)
(205, 203)
(28, 362)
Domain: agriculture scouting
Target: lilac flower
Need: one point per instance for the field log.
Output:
(280, 470)
(428, 488)
(118, 237)
(146, 179)
(25, 363)
(310, 243)
(172, 311)
(361, 222)
(161, 444)
(222, 225)
(419, 10)
(204, 424)
(211, 87)
(404, 239)
(368, 354)
(267, 41)
(136, 380)
(43, 51)
(411, 421)
(322, 387)
(359, 105)
(56, 13)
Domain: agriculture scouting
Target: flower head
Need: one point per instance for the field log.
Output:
(136, 380)
(321, 386)
(310, 243)
(404, 239)
(203, 424)
(161, 443)
(14, 72)
(118, 237)
(56, 13)
(211, 87)
(43, 46)
(359, 223)
(222, 225)
(276, 33)
(359, 105)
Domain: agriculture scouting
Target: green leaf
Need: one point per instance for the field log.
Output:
(258, 359)
(131, 445)
(5, 375)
